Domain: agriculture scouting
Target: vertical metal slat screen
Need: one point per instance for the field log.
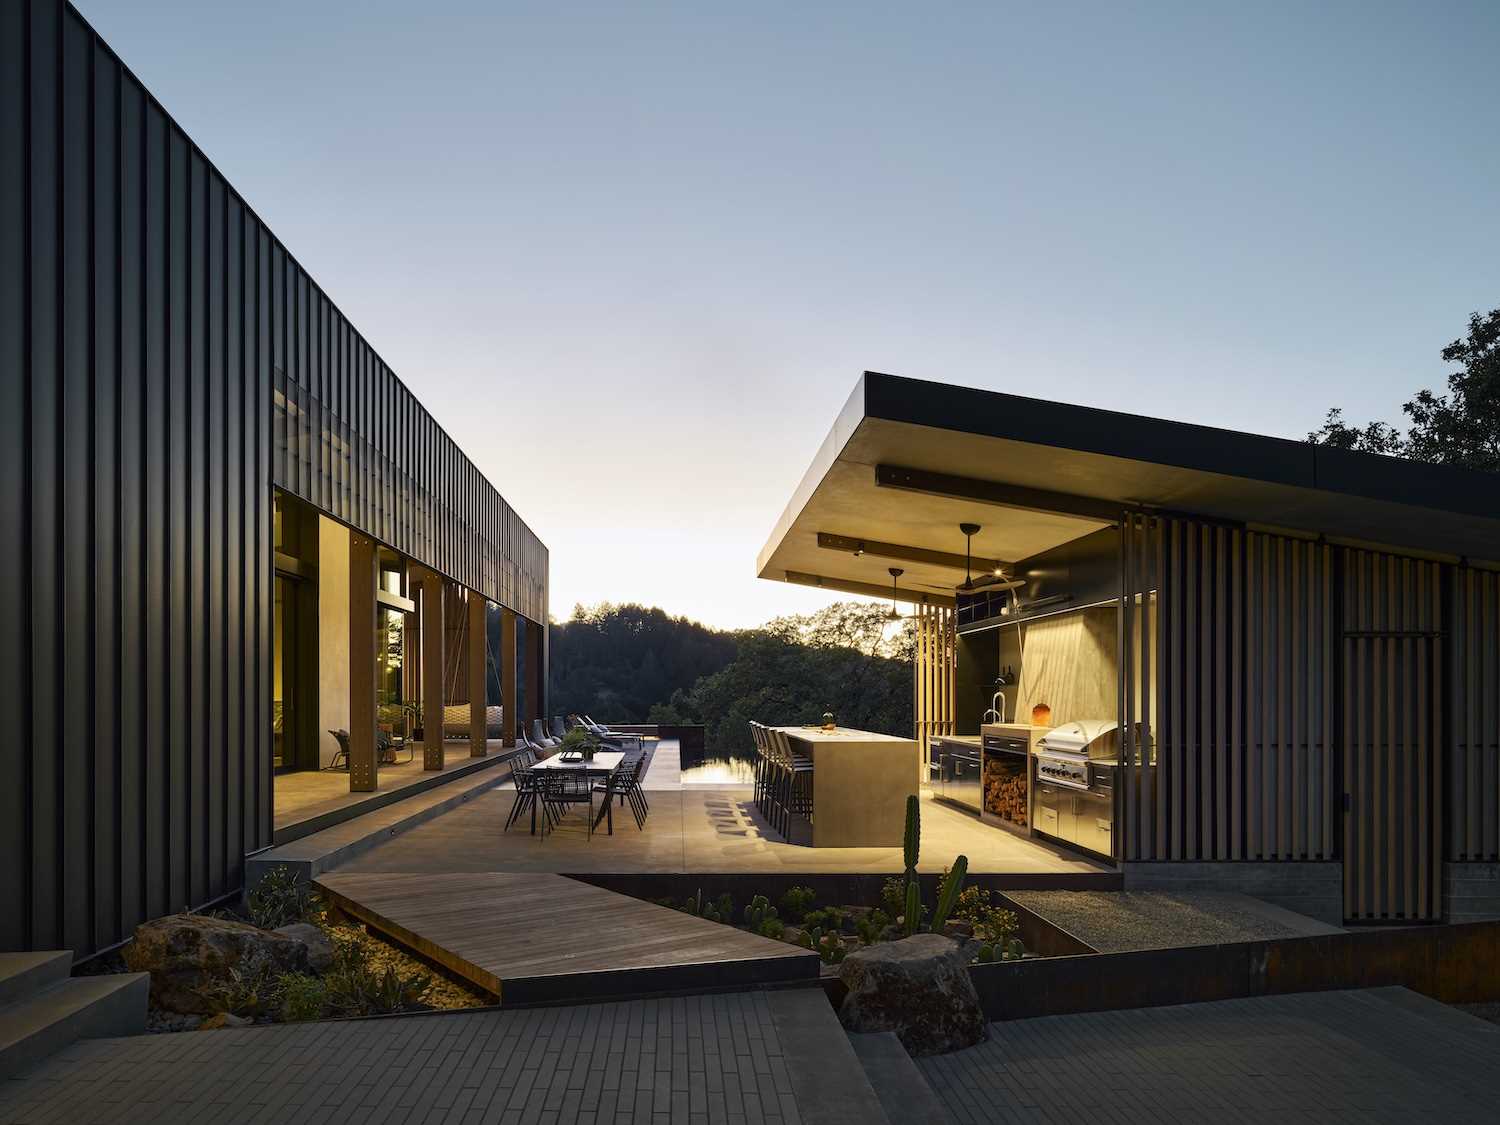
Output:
(1225, 642)
(1473, 744)
(1393, 687)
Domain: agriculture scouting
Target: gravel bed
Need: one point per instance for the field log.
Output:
(1118, 921)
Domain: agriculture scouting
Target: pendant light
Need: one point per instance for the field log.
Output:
(970, 530)
(895, 572)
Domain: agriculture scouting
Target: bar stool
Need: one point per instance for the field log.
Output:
(799, 791)
(762, 764)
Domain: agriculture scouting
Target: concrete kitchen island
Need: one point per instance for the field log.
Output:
(860, 784)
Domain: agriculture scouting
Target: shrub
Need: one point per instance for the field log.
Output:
(772, 928)
(972, 903)
(302, 997)
(893, 896)
(994, 925)
(831, 949)
(280, 899)
(353, 988)
(872, 925)
(248, 991)
(829, 918)
(797, 902)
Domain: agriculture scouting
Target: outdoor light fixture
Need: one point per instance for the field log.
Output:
(896, 572)
(970, 530)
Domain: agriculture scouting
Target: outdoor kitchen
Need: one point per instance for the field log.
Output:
(1034, 748)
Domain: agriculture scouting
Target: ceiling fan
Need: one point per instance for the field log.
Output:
(995, 581)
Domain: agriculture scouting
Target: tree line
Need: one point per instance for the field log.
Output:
(632, 664)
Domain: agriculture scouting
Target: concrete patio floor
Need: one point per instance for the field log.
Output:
(304, 795)
(693, 829)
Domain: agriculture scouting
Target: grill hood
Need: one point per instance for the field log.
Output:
(1089, 738)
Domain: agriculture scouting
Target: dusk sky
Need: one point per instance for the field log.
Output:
(633, 257)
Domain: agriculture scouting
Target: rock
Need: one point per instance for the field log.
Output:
(189, 956)
(224, 1019)
(319, 944)
(160, 1021)
(918, 987)
(958, 928)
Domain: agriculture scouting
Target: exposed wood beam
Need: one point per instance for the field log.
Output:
(850, 586)
(850, 545)
(993, 492)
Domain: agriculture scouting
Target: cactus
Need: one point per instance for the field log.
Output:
(948, 893)
(759, 910)
(1014, 950)
(986, 954)
(911, 848)
(913, 916)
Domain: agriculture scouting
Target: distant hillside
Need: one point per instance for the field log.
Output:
(615, 661)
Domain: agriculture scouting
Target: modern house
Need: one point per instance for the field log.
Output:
(1212, 658)
(232, 530)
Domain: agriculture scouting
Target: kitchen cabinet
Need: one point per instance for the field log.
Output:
(1082, 819)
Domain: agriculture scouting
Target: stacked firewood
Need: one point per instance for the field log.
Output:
(1005, 792)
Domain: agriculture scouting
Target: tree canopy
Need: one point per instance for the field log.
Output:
(1461, 427)
(847, 659)
(628, 663)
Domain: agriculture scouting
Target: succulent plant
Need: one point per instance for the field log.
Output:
(759, 910)
(986, 954)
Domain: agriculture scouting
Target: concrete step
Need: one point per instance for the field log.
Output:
(22, 974)
(897, 1081)
(828, 1082)
(312, 855)
(47, 1020)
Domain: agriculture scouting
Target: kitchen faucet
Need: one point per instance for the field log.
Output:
(997, 709)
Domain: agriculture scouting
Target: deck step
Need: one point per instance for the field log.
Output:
(22, 974)
(897, 1080)
(310, 856)
(48, 1019)
(531, 938)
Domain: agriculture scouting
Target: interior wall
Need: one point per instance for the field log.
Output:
(333, 633)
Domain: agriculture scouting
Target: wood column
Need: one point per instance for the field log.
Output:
(478, 733)
(506, 658)
(363, 760)
(432, 671)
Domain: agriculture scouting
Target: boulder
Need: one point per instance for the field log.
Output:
(319, 944)
(918, 987)
(191, 956)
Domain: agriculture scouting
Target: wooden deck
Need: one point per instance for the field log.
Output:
(533, 938)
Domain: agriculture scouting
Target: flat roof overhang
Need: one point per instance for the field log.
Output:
(908, 460)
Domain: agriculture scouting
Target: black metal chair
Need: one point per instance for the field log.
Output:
(560, 790)
(342, 738)
(527, 787)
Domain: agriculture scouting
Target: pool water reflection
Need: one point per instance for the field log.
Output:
(718, 767)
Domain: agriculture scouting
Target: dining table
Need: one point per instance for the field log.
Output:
(602, 764)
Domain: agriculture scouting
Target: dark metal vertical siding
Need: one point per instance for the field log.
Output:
(131, 562)
(165, 362)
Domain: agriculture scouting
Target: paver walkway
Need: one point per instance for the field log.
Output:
(1379, 1055)
(774, 1057)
